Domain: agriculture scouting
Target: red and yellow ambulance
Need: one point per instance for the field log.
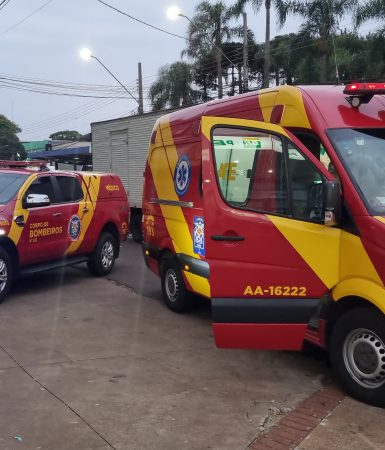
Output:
(272, 204)
(52, 219)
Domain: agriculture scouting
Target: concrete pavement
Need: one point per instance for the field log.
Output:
(88, 363)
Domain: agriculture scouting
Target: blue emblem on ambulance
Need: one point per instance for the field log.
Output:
(182, 175)
(74, 228)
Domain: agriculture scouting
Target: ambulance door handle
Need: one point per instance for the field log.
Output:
(221, 237)
(57, 214)
(85, 209)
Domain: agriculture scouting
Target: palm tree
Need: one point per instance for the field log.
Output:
(238, 7)
(372, 9)
(174, 87)
(208, 29)
(320, 19)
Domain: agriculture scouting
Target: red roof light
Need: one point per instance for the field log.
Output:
(365, 88)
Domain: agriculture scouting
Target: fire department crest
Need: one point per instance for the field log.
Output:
(182, 175)
(199, 236)
(74, 228)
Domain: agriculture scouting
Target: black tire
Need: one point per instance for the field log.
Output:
(6, 274)
(357, 352)
(102, 259)
(136, 226)
(174, 291)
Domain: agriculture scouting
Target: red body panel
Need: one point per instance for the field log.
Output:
(266, 256)
(48, 232)
(263, 336)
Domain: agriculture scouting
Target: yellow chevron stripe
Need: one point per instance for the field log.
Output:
(90, 187)
(318, 245)
(210, 122)
(162, 164)
(15, 231)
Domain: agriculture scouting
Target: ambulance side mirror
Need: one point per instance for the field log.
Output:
(36, 200)
(332, 202)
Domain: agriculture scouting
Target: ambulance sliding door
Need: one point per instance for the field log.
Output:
(271, 257)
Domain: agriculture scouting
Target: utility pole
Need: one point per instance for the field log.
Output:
(140, 89)
(245, 54)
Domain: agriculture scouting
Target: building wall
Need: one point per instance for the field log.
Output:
(120, 146)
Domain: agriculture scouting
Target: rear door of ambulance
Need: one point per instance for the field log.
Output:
(271, 257)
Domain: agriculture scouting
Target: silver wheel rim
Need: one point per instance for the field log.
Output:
(107, 254)
(171, 285)
(364, 357)
(3, 275)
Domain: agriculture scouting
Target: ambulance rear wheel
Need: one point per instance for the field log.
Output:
(174, 291)
(102, 260)
(357, 351)
(5, 274)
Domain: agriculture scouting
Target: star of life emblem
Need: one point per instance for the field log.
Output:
(182, 175)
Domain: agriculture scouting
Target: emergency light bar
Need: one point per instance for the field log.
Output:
(363, 92)
(42, 165)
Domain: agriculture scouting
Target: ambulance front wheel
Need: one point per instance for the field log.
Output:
(174, 291)
(102, 259)
(357, 351)
(5, 274)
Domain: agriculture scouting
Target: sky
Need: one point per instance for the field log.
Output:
(46, 47)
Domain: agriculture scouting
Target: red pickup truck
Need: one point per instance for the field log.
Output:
(52, 219)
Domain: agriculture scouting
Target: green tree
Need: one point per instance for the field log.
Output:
(372, 9)
(67, 135)
(10, 146)
(293, 60)
(320, 20)
(209, 28)
(205, 75)
(352, 54)
(257, 4)
(174, 87)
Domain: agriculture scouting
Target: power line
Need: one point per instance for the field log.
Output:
(4, 3)
(138, 20)
(25, 18)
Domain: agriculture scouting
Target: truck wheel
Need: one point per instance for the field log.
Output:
(103, 258)
(174, 291)
(6, 274)
(357, 351)
(136, 226)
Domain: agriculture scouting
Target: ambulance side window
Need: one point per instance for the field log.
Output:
(70, 189)
(42, 185)
(250, 169)
(306, 187)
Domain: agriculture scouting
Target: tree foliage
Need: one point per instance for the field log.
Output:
(319, 52)
(10, 146)
(372, 9)
(320, 19)
(209, 28)
(173, 87)
(67, 135)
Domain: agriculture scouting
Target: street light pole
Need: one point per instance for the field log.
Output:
(87, 55)
(245, 54)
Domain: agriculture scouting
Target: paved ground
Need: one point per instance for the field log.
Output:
(89, 363)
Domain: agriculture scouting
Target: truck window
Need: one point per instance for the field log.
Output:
(250, 169)
(70, 188)
(42, 185)
(305, 186)
(362, 153)
(10, 183)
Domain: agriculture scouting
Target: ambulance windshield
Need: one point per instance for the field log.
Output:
(362, 151)
(10, 183)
